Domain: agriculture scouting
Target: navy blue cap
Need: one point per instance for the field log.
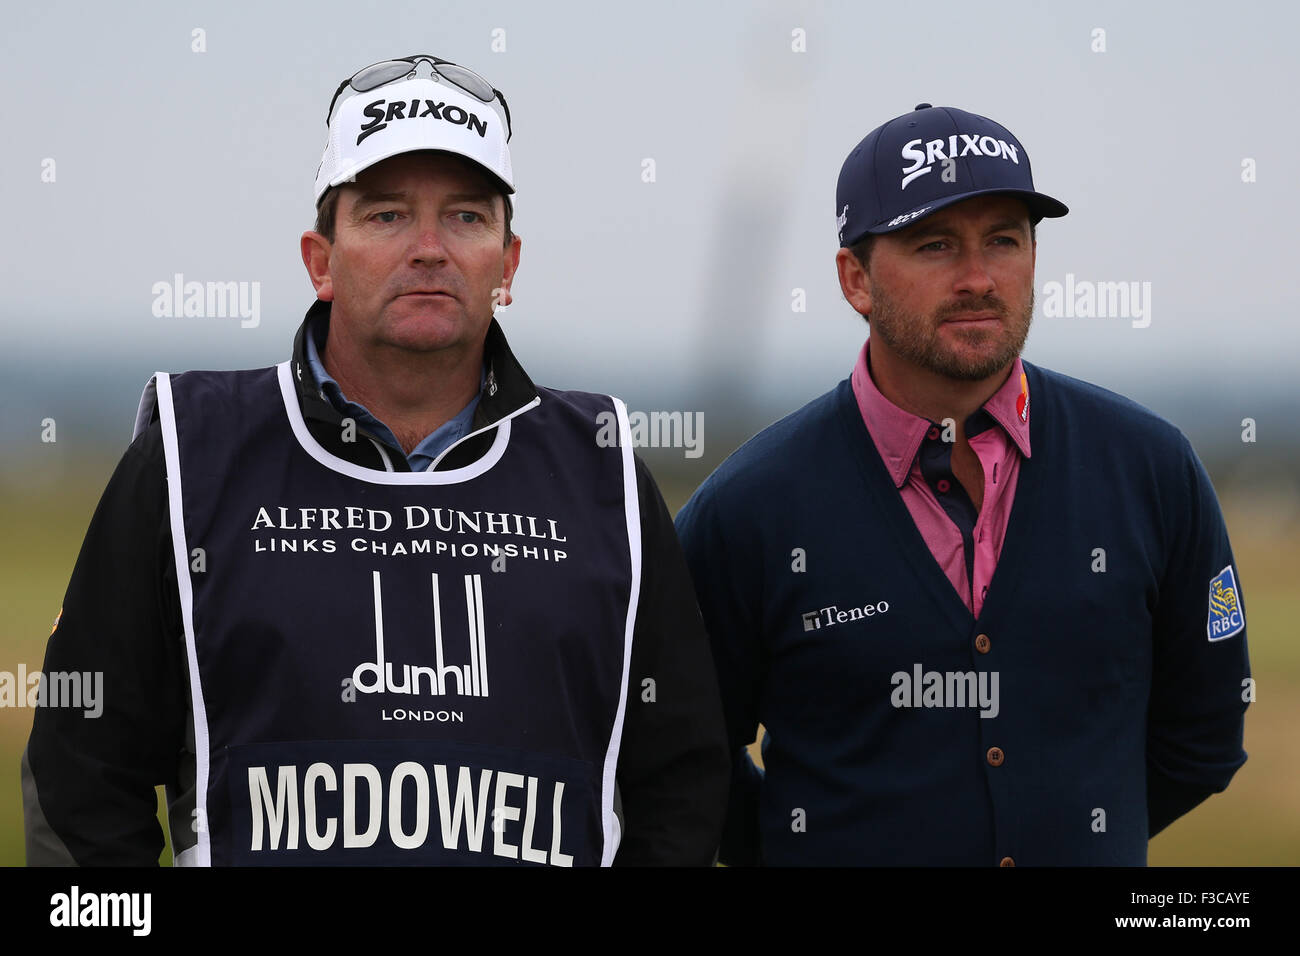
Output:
(922, 161)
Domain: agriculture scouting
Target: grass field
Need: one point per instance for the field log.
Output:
(1255, 822)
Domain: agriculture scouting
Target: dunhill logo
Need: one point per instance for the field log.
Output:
(470, 680)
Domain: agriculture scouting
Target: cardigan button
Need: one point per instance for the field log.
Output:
(995, 757)
(933, 433)
(982, 643)
(943, 486)
(1007, 861)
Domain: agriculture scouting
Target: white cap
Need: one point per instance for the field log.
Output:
(414, 114)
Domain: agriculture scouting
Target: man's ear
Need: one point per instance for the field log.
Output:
(855, 283)
(503, 297)
(316, 257)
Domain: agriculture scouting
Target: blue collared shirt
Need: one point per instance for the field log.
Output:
(427, 450)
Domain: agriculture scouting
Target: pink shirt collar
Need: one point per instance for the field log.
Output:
(898, 434)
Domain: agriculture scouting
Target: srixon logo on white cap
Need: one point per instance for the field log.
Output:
(954, 147)
(382, 112)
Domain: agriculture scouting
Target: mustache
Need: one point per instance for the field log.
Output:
(989, 303)
(448, 285)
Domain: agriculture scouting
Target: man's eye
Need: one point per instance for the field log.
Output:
(1006, 240)
(932, 246)
(468, 217)
(385, 213)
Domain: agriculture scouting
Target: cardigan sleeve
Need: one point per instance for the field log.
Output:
(1200, 684)
(727, 583)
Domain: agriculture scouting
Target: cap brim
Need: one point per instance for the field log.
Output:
(1040, 207)
(363, 133)
(350, 174)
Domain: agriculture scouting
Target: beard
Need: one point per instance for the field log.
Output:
(979, 354)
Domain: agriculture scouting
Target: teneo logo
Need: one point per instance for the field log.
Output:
(832, 615)
(470, 680)
(381, 113)
(842, 219)
(923, 160)
(946, 689)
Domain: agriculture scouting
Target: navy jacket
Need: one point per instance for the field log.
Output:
(1098, 696)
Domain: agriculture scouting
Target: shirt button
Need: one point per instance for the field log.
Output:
(982, 643)
(995, 757)
(943, 486)
(1007, 861)
(933, 433)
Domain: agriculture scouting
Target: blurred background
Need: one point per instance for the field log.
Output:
(675, 166)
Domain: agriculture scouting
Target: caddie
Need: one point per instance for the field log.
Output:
(988, 614)
(387, 602)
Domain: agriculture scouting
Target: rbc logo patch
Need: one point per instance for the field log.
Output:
(1225, 618)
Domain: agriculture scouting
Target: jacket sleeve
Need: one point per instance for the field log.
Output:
(1199, 686)
(725, 568)
(89, 773)
(672, 766)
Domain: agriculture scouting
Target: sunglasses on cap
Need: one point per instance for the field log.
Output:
(390, 71)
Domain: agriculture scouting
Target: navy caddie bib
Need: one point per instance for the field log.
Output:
(392, 668)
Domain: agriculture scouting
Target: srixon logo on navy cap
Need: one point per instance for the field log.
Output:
(922, 161)
(923, 154)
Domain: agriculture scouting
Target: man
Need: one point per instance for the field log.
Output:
(387, 602)
(987, 614)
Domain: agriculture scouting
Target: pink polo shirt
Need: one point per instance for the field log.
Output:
(899, 437)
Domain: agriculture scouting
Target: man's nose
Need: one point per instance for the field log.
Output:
(974, 275)
(428, 244)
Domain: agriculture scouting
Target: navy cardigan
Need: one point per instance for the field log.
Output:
(1099, 695)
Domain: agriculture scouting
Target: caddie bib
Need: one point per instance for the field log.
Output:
(393, 667)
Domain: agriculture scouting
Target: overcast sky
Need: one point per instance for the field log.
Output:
(167, 160)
